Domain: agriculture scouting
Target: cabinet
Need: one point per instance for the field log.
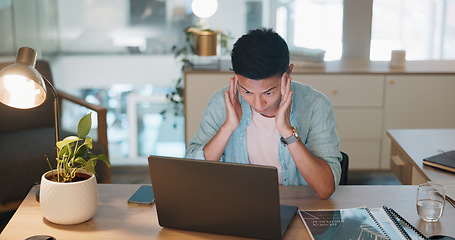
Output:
(368, 99)
(357, 100)
(417, 101)
(199, 87)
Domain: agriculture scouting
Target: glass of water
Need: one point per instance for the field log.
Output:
(430, 201)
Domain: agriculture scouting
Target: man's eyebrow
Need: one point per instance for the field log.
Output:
(243, 87)
(250, 91)
(270, 89)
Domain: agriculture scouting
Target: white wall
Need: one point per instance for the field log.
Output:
(73, 72)
(90, 26)
(101, 71)
(357, 16)
(6, 28)
(230, 17)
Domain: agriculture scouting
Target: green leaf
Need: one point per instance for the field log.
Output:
(84, 126)
(103, 158)
(61, 153)
(80, 161)
(90, 166)
(89, 142)
(82, 151)
(67, 141)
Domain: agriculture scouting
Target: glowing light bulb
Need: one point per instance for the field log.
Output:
(204, 8)
(20, 92)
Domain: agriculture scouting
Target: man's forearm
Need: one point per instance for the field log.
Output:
(316, 172)
(214, 149)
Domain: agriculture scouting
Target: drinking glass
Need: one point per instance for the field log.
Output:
(430, 201)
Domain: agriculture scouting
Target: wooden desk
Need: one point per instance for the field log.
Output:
(410, 146)
(116, 219)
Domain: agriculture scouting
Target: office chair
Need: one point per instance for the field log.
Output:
(344, 168)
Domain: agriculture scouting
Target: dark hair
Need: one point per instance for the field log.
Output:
(260, 54)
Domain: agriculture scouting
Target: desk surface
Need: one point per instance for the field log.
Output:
(422, 143)
(116, 219)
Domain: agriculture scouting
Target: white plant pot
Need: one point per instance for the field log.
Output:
(68, 203)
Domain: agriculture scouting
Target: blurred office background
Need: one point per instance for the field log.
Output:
(118, 52)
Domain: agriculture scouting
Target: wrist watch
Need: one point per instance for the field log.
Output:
(293, 138)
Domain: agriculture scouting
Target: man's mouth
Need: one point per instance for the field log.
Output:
(260, 110)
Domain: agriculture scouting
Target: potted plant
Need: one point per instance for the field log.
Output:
(204, 41)
(201, 41)
(69, 193)
(198, 41)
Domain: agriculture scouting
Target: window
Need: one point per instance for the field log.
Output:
(312, 24)
(253, 15)
(424, 28)
(122, 26)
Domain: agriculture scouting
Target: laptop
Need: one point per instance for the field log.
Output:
(215, 197)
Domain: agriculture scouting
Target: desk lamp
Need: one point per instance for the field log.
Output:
(23, 87)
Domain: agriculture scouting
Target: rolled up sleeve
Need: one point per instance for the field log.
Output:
(212, 119)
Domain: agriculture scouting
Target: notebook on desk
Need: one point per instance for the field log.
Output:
(223, 198)
(445, 161)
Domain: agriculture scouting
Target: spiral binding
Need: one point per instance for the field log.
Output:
(394, 215)
(377, 223)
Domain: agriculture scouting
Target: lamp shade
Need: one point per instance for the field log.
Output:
(21, 85)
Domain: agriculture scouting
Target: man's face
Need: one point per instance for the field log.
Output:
(264, 96)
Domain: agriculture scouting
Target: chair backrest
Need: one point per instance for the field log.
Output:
(344, 168)
(42, 116)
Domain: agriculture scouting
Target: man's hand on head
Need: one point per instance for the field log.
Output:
(233, 108)
(282, 117)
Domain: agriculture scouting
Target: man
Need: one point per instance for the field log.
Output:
(265, 118)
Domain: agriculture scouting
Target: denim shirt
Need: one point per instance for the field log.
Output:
(311, 113)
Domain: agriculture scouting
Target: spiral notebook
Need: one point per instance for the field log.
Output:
(358, 223)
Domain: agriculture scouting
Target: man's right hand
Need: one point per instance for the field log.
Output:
(233, 108)
(214, 149)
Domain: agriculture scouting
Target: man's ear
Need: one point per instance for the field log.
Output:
(290, 69)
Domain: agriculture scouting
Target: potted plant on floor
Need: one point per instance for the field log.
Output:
(69, 193)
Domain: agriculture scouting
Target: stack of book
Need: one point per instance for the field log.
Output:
(308, 58)
(444, 161)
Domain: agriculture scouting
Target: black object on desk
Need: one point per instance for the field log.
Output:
(445, 161)
(143, 196)
(41, 237)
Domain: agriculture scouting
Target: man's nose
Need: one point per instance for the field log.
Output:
(258, 103)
